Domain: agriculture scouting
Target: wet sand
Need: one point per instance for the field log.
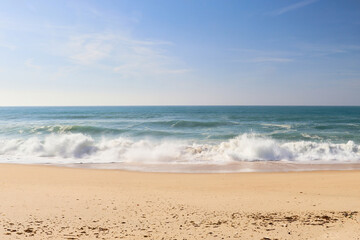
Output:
(231, 167)
(47, 202)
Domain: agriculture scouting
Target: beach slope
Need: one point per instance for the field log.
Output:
(44, 202)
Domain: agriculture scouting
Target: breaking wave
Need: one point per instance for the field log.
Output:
(80, 148)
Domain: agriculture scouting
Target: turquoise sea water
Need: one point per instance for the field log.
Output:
(179, 134)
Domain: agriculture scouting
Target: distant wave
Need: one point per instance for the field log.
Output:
(73, 129)
(169, 125)
(286, 126)
(188, 123)
(77, 147)
(311, 136)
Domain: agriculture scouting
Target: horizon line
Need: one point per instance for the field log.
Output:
(184, 105)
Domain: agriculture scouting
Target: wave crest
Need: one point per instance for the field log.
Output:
(77, 147)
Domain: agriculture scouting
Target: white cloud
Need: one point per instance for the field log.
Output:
(293, 7)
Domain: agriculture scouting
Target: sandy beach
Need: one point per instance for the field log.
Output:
(44, 202)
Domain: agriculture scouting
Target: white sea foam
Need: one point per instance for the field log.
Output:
(76, 148)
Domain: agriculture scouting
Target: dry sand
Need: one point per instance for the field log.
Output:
(42, 202)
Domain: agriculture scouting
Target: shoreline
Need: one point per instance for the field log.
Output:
(234, 167)
(51, 202)
(205, 169)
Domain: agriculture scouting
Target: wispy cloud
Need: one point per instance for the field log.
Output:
(30, 64)
(7, 45)
(109, 47)
(89, 49)
(122, 54)
(298, 52)
(262, 56)
(270, 59)
(318, 50)
(293, 7)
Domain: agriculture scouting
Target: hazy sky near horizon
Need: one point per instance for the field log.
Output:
(202, 52)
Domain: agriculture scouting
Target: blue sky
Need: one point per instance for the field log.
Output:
(258, 52)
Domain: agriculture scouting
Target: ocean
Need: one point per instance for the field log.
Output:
(179, 135)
